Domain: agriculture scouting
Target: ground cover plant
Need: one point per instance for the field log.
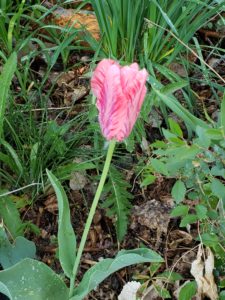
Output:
(112, 149)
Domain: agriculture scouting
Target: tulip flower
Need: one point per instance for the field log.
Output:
(120, 92)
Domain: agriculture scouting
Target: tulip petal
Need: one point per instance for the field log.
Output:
(99, 75)
(120, 92)
(111, 105)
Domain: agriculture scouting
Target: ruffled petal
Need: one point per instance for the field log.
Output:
(128, 73)
(120, 92)
(134, 93)
(111, 105)
(99, 75)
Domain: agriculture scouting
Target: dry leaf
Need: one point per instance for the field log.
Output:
(203, 274)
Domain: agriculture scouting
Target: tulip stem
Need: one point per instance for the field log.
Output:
(91, 214)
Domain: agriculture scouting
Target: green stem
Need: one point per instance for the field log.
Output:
(91, 214)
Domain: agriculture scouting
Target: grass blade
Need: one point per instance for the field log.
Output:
(5, 81)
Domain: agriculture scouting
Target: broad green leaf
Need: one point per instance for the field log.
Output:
(32, 280)
(10, 216)
(148, 180)
(5, 82)
(159, 166)
(188, 219)
(66, 236)
(204, 139)
(10, 254)
(179, 211)
(95, 275)
(188, 291)
(178, 191)
(218, 188)
(209, 239)
(201, 211)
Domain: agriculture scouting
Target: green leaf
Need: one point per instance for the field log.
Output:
(173, 87)
(64, 172)
(10, 215)
(95, 275)
(32, 280)
(10, 254)
(159, 166)
(164, 293)
(214, 134)
(178, 191)
(209, 239)
(149, 179)
(18, 167)
(218, 188)
(201, 211)
(179, 211)
(5, 82)
(118, 200)
(170, 276)
(154, 267)
(188, 219)
(222, 114)
(188, 291)
(222, 295)
(182, 112)
(66, 236)
(175, 128)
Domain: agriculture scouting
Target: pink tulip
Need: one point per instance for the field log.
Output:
(120, 92)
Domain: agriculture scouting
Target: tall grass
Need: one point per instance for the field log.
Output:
(121, 23)
(33, 140)
(183, 18)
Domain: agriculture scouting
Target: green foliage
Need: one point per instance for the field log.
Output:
(198, 167)
(118, 200)
(121, 24)
(178, 191)
(10, 216)
(5, 82)
(10, 254)
(149, 29)
(188, 291)
(106, 267)
(170, 19)
(31, 279)
(151, 279)
(66, 236)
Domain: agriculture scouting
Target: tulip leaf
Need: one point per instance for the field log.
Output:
(66, 235)
(95, 275)
(32, 280)
(10, 254)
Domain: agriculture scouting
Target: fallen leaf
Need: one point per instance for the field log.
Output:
(202, 271)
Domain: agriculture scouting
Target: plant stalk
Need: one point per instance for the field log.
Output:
(91, 214)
